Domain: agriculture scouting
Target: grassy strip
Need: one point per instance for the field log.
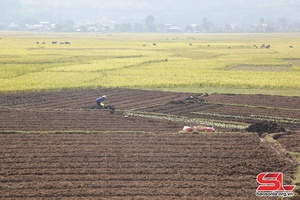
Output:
(296, 181)
(295, 158)
(230, 90)
(249, 106)
(253, 117)
(70, 132)
(215, 123)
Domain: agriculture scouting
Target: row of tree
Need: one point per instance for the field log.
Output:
(149, 25)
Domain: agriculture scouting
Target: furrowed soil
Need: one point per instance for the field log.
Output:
(75, 110)
(145, 166)
(57, 145)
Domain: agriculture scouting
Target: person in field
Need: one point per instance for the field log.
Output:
(100, 100)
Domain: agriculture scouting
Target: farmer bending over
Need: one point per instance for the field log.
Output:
(100, 100)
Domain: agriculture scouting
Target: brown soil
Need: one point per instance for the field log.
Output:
(99, 155)
(140, 166)
(291, 141)
(73, 110)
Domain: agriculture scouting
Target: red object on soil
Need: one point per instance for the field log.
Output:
(187, 129)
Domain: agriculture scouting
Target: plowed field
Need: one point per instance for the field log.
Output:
(56, 145)
(146, 166)
(139, 110)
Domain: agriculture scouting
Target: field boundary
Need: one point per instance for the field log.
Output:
(72, 132)
(175, 118)
(253, 117)
(250, 106)
(289, 155)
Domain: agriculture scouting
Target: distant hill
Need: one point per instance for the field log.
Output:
(178, 12)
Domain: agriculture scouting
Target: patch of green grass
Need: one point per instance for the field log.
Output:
(228, 90)
(296, 155)
(250, 106)
(296, 181)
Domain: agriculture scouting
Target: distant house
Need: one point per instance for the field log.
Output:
(193, 28)
(174, 29)
(45, 23)
(45, 26)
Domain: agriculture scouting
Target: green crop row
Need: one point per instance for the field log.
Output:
(252, 117)
(188, 121)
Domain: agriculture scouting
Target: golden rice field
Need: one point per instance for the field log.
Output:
(228, 63)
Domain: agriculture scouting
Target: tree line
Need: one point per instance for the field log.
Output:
(149, 25)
